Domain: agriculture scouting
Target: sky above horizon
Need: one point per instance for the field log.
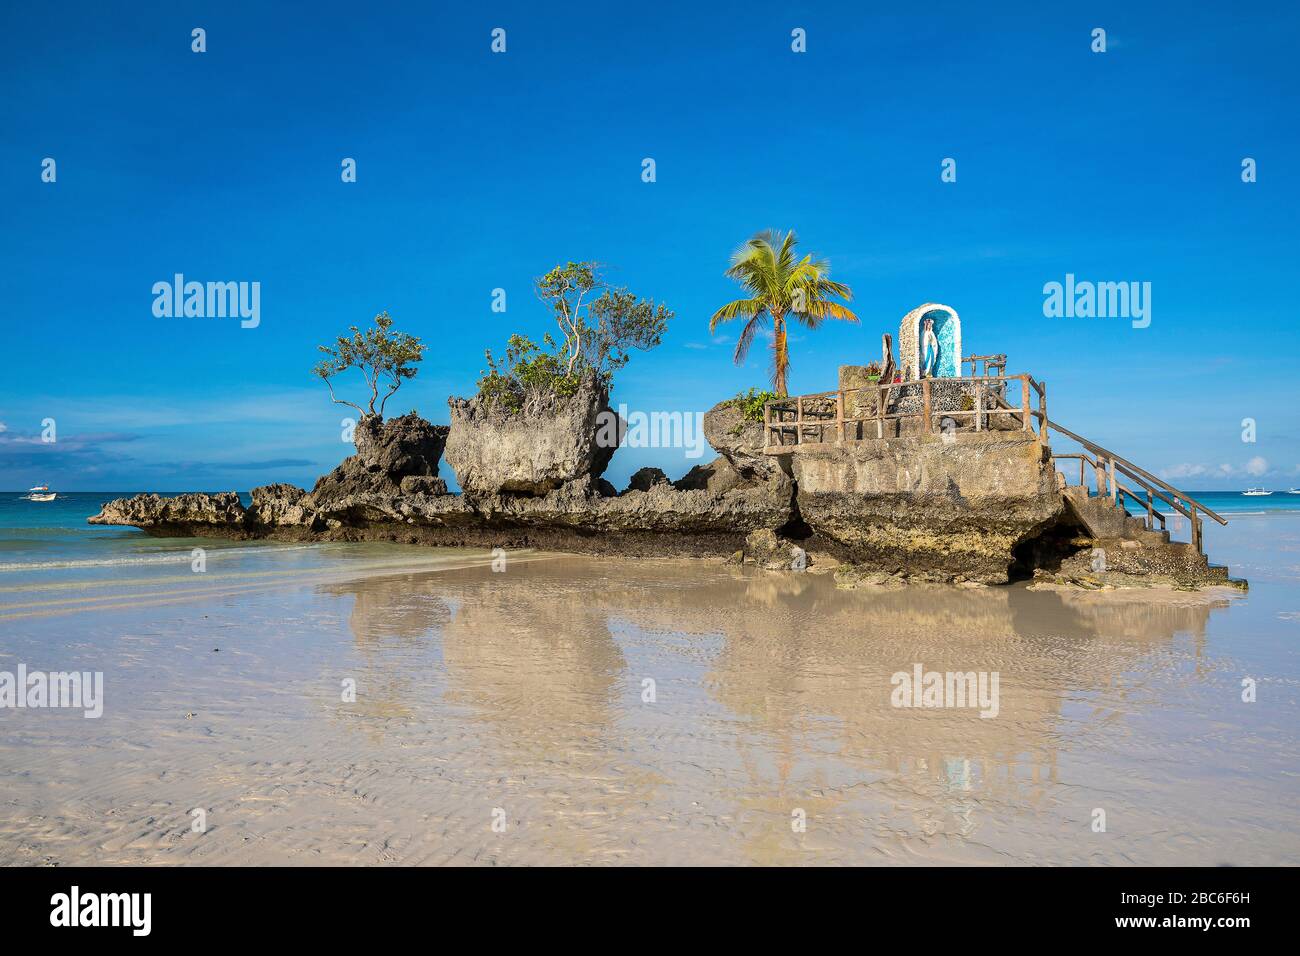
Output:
(478, 170)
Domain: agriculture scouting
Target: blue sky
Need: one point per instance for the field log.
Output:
(479, 170)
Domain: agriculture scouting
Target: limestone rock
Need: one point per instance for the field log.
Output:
(717, 478)
(157, 513)
(423, 485)
(387, 453)
(530, 452)
(929, 507)
(280, 504)
(740, 441)
(761, 546)
(646, 478)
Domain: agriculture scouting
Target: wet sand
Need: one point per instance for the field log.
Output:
(520, 696)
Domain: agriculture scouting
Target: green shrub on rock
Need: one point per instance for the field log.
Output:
(600, 326)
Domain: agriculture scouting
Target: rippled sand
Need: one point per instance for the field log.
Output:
(523, 692)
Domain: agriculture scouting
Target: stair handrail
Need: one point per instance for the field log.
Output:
(1142, 476)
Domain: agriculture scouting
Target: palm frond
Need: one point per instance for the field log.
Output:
(747, 337)
(740, 307)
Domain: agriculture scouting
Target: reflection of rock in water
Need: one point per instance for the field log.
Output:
(536, 665)
(807, 667)
(388, 612)
(537, 660)
(773, 695)
(396, 606)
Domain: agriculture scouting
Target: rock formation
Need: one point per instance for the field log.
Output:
(534, 450)
(178, 516)
(977, 507)
(945, 506)
(398, 456)
(739, 441)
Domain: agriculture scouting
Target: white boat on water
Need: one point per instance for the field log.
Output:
(1256, 493)
(40, 493)
(1293, 491)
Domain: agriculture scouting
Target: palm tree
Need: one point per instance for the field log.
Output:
(780, 286)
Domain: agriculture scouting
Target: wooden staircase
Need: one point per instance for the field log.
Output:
(1137, 543)
(1109, 470)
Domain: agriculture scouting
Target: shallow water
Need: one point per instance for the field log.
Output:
(520, 695)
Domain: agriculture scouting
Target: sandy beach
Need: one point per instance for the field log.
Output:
(520, 697)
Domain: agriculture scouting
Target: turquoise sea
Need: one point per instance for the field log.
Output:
(50, 556)
(53, 537)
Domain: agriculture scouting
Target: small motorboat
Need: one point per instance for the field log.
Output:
(1293, 491)
(1256, 493)
(40, 493)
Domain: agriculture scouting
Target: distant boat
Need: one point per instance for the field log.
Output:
(1256, 492)
(40, 493)
(1293, 491)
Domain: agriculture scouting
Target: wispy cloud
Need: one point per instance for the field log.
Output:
(1256, 467)
(188, 466)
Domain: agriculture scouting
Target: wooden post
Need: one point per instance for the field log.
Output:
(1099, 473)
(1151, 517)
(1196, 530)
(1082, 482)
(1111, 469)
(1042, 408)
(1024, 403)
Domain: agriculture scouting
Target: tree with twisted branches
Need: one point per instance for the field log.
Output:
(385, 359)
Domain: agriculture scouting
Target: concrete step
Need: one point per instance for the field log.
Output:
(1155, 555)
(1138, 531)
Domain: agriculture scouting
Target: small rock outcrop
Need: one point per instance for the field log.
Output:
(536, 449)
(646, 478)
(717, 477)
(388, 454)
(768, 550)
(280, 504)
(740, 441)
(157, 514)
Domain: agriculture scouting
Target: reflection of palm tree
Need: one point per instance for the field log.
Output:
(779, 286)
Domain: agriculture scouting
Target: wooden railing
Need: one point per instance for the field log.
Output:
(1107, 466)
(993, 365)
(802, 420)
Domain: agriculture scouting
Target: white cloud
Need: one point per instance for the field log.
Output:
(1254, 468)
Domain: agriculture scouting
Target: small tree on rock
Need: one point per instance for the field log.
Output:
(600, 326)
(614, 321)
(385, 359)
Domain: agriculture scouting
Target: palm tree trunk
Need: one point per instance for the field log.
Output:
(780, 356)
